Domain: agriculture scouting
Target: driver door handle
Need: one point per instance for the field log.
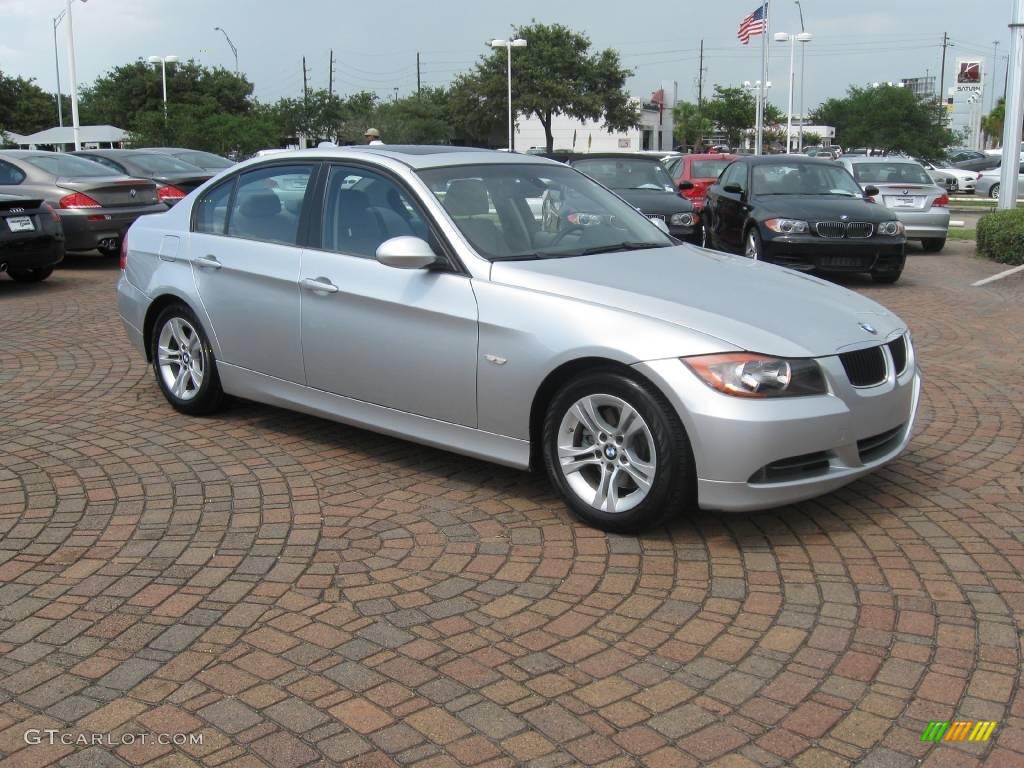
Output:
(209, 261)
(318, 285)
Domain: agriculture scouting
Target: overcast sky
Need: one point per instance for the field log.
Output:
(375, 43)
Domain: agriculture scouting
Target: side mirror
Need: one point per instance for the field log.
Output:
(406, 253)
(733, 188)
(684, 185)
(870, 191)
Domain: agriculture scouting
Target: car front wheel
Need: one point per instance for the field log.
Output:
(993, 191)
(617, 452)
(753, 248)
(183, 362)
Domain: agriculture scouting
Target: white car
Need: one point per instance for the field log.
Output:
(964, 180)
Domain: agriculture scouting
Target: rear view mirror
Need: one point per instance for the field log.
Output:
(406, 252)
(870, 191)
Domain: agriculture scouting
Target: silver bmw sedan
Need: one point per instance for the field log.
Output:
(510, 308)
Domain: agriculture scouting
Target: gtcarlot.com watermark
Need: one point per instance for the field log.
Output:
(53, 736)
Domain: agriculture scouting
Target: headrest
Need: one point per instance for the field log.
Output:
(351, 203)
(260, 205)
(466, 197)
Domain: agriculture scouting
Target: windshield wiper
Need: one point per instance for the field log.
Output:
(613, 247)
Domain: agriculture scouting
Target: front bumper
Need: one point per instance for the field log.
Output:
(81, 234)
(833, 439)
(807, 252)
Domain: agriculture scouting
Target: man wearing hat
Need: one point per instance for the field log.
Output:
(372, 136)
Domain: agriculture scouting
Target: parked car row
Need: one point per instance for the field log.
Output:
(82, 201)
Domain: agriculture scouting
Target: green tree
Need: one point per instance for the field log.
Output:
(888, 118)
(477, 119)
(558, 75)
(422, 118)
(992, 123)
(24, 106)
(734, 111)
(690, 126)
(812, 139)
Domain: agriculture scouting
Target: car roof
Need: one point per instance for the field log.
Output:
(415, 156)
(784, 159)
(651, 158)
(890, 159)
(712, 156)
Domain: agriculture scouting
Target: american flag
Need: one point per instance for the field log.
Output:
(752, 24)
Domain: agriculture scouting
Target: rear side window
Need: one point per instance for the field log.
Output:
(211, 211)
(10, 174)
(269, 204)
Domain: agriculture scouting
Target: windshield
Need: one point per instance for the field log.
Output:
(627, 173)
(69, 166)
(205, 159)
(708, 169)
(531, 210)
(890, 173)
(798, 178)
(159, 163)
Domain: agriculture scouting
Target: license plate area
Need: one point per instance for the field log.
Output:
(903, 202)
(20, 224)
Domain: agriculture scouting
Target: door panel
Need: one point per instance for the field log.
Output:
(400, 338)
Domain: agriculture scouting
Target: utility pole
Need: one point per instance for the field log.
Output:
(305, 81)
(417, 73)
(942, 72)
(992, 77)
(305, 103)
(700, 78)
(330, 77)
(395, 89)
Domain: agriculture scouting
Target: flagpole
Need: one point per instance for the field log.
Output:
(763, 91)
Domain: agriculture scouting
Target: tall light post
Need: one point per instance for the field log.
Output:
(789, 37)
(56, 64)
(74, 78)
(755, 87)
(163, 61)
(509, 45)
(233, 49)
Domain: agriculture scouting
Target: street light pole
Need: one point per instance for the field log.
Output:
(509, 45)
(56, 63)
(785, 37)
(74, 79)
(164, 61)
(803, 60)
(233, 49)
(1014, 110)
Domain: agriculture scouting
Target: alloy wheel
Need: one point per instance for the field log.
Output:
(181, 358)
(750, 250)
(606, 453)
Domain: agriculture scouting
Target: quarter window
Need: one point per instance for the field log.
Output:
(268, 204)
(9, 174)
(362, 209)
(211, 210)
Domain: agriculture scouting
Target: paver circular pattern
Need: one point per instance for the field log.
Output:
(302, 593)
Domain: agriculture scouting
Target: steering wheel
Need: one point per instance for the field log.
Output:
(561, 235)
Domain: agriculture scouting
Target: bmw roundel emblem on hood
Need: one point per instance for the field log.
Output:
(868, 327)
(132, 193)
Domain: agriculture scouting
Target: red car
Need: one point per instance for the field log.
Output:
(701, 170)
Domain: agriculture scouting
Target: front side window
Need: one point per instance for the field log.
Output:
(363, 208)
(211, 209)
(511, 211)
(890, 173)
(269, 203)
(68, 166)
(803, 179)
(736, 173)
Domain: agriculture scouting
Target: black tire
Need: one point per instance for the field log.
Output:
(993, 191)
(30, 274)
(208, 397)
(673, 490)
(752, 238)
(110, 252)
(888, 277)
(933, 244)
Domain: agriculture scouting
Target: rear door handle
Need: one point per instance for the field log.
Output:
(209, 261)
(319, 285)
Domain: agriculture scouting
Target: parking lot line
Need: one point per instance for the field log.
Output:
(999, 276)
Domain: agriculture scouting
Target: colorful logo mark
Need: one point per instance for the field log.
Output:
(958, 730)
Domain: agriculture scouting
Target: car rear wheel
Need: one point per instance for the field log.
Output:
(183, 362)
(30, 274)
(753, 248)
(933, 245)
(994, 191)
(617, 452)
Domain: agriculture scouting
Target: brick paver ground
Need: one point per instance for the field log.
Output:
(301, 593)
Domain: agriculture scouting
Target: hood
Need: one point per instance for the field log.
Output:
(655, 200)
(821, 208)
(747, 304)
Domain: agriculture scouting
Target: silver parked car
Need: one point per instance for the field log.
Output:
(905, 187)
(96, 204)
(413, 291)
(987, 183)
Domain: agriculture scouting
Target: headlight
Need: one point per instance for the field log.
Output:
(745, 374)
(787, 226)
(681, 220)
(890, 228)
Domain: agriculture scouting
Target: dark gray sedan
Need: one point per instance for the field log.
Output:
(95, 205)
(174, 178)
(208, 161)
